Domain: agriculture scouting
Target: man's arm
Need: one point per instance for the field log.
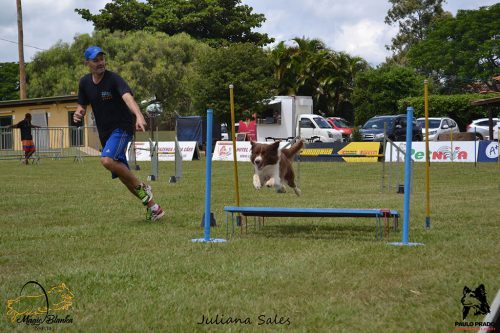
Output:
(140, 122)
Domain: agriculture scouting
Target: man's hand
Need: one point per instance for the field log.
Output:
(140, 123)
(79, 114)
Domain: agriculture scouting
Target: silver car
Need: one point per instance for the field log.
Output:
(438, 125)
(482, 127)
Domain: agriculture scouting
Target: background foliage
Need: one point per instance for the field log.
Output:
(378, 91)
(461, 51)
(9, 81)
(246, 67)
(457, 107)
(216, 22)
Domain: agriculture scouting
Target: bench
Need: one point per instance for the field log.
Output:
(314, 212)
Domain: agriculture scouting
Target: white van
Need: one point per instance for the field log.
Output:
(314, 127)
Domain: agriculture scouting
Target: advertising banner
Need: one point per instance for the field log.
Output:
(313, 152)
(224, 151)
(166, 151)
(487, 151)
(439, 151)
(360, 149)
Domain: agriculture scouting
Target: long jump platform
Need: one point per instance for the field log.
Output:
(262, 212)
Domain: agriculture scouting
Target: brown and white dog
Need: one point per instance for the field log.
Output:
(273, 167)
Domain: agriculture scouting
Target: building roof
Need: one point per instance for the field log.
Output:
(39, 101)
(486, 101)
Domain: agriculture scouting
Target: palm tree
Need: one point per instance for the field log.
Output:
(310, 68)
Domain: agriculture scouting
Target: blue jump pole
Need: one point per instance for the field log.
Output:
(208, 182)
(406, 207)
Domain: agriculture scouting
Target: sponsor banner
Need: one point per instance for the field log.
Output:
(439, 151)
(311, 152)
(166, 151)
(487, 151)
(314, 152)
(360, 148)
(223, 150)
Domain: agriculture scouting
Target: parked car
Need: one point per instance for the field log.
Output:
(373, 129)
(438, 126)
(482, 127)
(341, 125)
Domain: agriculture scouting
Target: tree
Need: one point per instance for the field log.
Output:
(55, 72)
(247, 67)
(461, 51)
(310, 68)
(217, 22)
(377, 91)
(154, 64)
(9, 81)
(414, 18)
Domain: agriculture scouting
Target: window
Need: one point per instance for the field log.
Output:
(6, 142)
(306, 123)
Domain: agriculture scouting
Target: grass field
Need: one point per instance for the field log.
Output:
(65, 222)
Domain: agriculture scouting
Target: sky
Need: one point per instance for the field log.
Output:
(353, 26)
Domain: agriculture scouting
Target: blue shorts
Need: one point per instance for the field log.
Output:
(116, 146)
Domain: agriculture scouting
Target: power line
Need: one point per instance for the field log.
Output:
(11, 41)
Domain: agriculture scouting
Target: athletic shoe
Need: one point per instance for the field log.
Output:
(144, 193)
(154, 215)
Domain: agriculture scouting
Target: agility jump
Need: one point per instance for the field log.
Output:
(262, 212)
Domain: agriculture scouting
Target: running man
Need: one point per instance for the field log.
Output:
(117, 116)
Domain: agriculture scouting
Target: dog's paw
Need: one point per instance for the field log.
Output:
(270, 182)
(256, 182)
(280, 189)
(297, 191)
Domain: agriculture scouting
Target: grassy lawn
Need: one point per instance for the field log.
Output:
(70, 222)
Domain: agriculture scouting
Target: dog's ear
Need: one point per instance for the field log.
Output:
(480, 291)
(252, 143)
(275, 145)
(466, 290)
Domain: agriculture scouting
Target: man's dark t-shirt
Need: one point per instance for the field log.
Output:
(25, 128)
(110, 110)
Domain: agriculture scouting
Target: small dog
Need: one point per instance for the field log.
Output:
(273, 167)
(476, 300)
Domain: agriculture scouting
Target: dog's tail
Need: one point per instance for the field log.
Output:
(294, 149)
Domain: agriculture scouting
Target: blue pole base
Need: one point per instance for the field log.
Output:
(405, 244)
(427, 222)
(211, 240)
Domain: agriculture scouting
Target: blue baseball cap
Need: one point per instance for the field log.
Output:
(92, 51)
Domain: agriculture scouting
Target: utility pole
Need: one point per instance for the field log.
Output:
(20, 45)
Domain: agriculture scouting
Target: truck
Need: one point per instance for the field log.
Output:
(288, 117)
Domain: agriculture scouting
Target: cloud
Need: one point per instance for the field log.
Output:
(45, 22)
(354, 26)
(366, 39)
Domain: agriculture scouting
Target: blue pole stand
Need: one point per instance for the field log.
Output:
(208, 184)
(406, 213)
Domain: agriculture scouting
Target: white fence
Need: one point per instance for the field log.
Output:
(51, 142)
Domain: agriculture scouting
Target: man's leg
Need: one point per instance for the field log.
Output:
(114, 159)
(125, 175)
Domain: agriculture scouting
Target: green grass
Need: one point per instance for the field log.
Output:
(67, 222)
